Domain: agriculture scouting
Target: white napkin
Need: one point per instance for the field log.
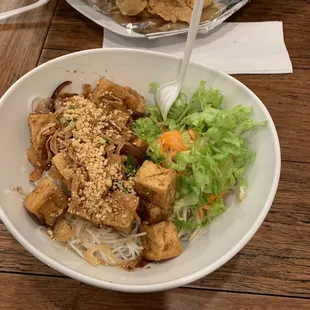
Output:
(235, 48)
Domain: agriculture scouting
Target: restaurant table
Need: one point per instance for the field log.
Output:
(273, 270)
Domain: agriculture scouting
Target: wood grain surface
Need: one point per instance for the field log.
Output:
(273, 269)
(72, 31)
(66, 294)
(21, 40)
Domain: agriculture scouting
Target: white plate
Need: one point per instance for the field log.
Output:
(106, 22)
(102, 20)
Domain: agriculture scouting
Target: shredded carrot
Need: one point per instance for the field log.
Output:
(173, 153)
(161, 148)
(212, 198)
(171, 142)
(201, 209)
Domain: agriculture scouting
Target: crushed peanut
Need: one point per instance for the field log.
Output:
(92, 128)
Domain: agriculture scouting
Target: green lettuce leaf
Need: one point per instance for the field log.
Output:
(217, 208)
(155, 114)
(203, 98)
(190, 199)
(187, 185)
(178, 107)
(154, 87)
(147, 129)
(154, 153)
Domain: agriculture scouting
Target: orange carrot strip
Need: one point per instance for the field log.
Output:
(171, 140)
(212, 198)
(173, 153)
(201, 209)
(206, 207)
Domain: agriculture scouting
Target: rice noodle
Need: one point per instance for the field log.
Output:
(53, 143)
(119, 148)
(110, 150)
(14, 193)
(194, 234)
(114, 126)
(59, 111)
(72, 245)
(69, 127)
(44, 130)
(41, 105)
(104, 245)
(49, 152)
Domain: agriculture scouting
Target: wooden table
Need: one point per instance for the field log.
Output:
(273, 270)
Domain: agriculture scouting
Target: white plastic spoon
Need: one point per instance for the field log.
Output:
(168, 93)
(23, 9)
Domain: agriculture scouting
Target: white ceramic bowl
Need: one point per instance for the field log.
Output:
(223, 238)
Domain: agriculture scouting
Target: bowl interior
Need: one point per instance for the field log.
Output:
(221, 240)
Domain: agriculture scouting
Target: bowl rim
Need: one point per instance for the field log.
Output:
(143, 288)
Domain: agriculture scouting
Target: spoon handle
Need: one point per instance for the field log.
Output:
(191, 36)
(23, 9)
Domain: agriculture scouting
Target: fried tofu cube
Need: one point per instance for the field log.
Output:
(161, 241)
(60, 162)
(34, 157)
(126, 206)
(36, 123)
(131, 98)
(151, 212)
(47, 200)
(156, 184)
(119, 211)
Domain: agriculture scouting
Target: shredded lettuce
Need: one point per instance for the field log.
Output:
(178, 107)
(155, 114)
(212, 164)
(154, 153)
(207, 97)
(154, 87)
(147, 129)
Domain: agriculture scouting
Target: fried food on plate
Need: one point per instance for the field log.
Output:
(171, 10)
(174, 10)
(192, 2)
(131, 7)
